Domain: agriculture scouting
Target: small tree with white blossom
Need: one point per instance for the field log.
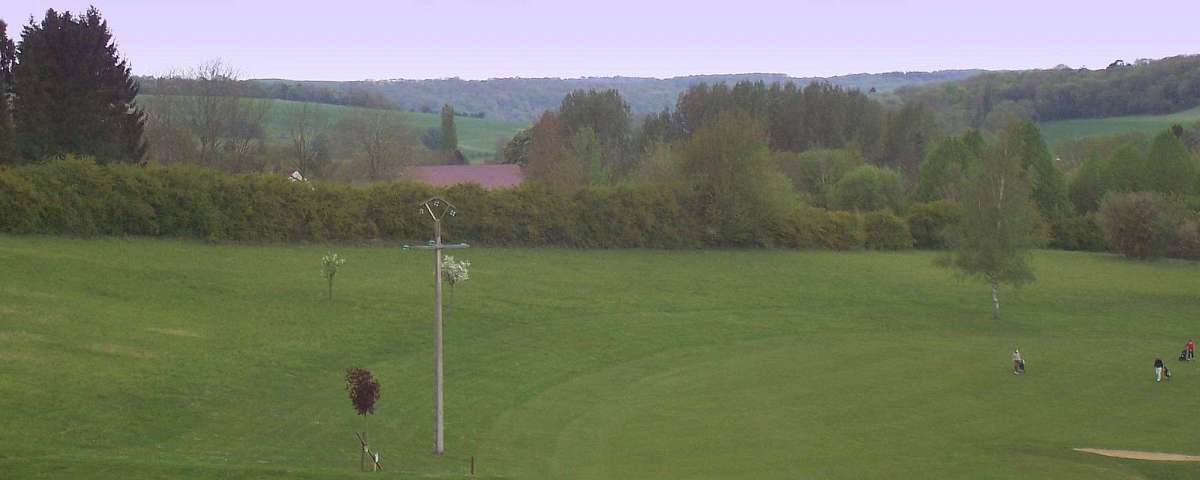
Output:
(454, 272)
(329, 268)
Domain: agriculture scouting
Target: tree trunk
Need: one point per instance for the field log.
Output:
(995, 299)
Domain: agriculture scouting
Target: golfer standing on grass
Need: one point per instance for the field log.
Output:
(1158, 369)
(1018, 363)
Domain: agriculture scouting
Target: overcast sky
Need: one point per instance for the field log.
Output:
(475, 39)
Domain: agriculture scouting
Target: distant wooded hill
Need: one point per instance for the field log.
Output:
(1142, 87)
(523, 99)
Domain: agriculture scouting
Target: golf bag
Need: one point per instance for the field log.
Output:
(1183, 356)
(1166, 372)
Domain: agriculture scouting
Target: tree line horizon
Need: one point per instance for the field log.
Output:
(744, 153)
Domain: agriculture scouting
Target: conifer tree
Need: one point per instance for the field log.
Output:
(449, 132)
(8, 53)
(1048, 184)
(74, 93)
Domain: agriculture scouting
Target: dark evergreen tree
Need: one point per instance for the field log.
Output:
(73, 92)
(8, 53)
(449, 140)
(1089, 184)
(908, 131)
(1049, 186)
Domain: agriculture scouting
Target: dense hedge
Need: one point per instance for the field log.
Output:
(885, 231)
(1083, 232)
(929, 222)
(80, 198)
(77, 197)
(1147, 225)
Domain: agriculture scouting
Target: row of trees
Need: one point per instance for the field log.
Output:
(205, 116)
(524, 99)
(840, 149)
(336, 93)
(1143, 87)
(65, 89)
(1164, 166)
(592, 138)
(798, 119)
(751, 153)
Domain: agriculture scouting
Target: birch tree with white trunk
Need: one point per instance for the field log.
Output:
(994, 239)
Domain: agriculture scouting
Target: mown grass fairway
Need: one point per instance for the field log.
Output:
(1063, 130)
(476, 136)
(169, 359)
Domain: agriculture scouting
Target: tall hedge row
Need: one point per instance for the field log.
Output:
(78, 197)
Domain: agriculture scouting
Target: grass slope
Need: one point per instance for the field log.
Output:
(476, 136)
(1059, 131)
(167, 359)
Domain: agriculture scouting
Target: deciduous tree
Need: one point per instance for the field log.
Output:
(606, 114)
(309, 147)
(1170, 168)
(379, 141)
(815, 172)
(211, 103)
(586, 150)
(550, 161)
(868, 188)
(738, 186)
(944, 170)
(993, 240)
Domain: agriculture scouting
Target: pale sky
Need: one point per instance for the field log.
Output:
(476, 39)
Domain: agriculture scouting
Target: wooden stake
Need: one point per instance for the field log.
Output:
(362, 455)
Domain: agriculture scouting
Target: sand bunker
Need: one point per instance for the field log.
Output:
(1159, 456)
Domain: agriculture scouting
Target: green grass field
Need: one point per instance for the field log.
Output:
(132, 359)
(1064, 130)
(476, 136)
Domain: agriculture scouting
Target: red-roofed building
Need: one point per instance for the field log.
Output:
(487, 176)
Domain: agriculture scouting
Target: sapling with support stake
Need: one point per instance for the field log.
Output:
(364, 392)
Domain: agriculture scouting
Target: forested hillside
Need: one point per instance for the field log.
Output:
(523, 99)
(1143, 87)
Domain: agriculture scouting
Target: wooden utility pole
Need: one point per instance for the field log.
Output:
(437, 208)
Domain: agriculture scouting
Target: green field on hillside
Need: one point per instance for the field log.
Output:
(1063, 130)
(131, 359)
(476, 136)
